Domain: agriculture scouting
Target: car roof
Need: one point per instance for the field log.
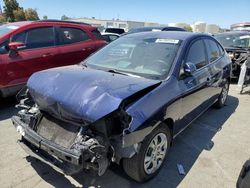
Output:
(22, 23)
(179, 35)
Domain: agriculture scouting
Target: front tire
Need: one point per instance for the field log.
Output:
(148, 161)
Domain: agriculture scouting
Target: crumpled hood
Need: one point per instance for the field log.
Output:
(78, 93)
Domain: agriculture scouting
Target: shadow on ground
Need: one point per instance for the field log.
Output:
(186, 149)
(7, 108)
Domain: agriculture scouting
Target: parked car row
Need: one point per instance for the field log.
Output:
(124, 104)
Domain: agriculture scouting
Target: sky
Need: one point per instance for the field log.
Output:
(221, 12)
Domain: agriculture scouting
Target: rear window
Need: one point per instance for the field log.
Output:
(114, 30)
(212, 49)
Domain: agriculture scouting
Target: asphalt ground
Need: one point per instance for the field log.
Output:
(212, 151)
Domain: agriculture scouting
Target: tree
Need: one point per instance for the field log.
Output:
(2, 19)
(10, 6)
(31, 14)
(188, 28)
(64, 17)
(19, 15)
(45, 17)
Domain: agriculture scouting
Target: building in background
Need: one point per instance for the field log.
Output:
(181, 25)
(127, 25)
(212, 28)
(205, 28)
(115, 23)
(199, 27)
(241, 26)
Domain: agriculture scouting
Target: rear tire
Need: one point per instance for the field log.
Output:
(148, 161)
(223, 96)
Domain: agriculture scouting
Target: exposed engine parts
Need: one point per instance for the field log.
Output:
(95, 153)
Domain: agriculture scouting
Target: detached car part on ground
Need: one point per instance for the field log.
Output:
(237, 45)
(124, 104)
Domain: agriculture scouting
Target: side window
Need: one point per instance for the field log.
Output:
(20, 37)
(36, 38)
(106, 38)
(3, 47)
(69, 35)
(40, 38)
(196, 54)
(212, 50)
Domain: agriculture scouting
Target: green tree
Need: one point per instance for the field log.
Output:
(19, 15)
(31, 14)
(64, 17)
(10, 6)
(45, 17)
(188, 28)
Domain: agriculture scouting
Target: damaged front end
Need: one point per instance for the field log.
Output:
(79, 121)
(65, 146)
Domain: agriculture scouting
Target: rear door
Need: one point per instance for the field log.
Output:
(195, 90)
(39, 53)
(75, 45)
(215, 67)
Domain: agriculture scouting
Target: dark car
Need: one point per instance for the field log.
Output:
(118, 31)
(237, 45)
(124, 104)
(31, 46)
(144, 29)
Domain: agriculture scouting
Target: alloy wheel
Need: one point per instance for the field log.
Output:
(155, 153)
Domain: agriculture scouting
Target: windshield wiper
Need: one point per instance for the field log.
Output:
(116, 72)
(123, 73)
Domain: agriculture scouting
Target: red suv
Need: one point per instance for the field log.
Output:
(31, 46)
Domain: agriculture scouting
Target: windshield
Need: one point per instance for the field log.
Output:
(145, 57)
(4, 29)
(234, 40)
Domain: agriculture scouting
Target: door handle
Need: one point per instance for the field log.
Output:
(47, 55)
(210, 80)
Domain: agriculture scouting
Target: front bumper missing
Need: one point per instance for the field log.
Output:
(64, 160)
(54, 162)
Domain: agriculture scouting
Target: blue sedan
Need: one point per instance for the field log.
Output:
(124, 104)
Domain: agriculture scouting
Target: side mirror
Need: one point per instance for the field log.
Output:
(189, 68)
(15, 46)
